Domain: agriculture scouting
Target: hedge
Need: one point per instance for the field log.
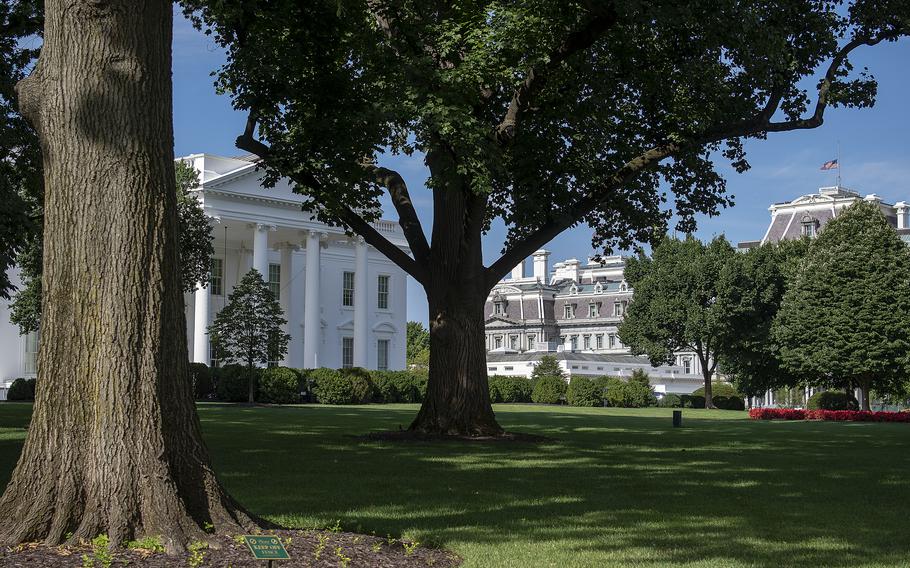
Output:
(21, 389)
(584, 391)
(233, 383)
(670, 401)
(279, 385)
(692, 401)
(719, 389)
(630, 394)
(508, 388)
(830, 415)
(361, 384)
(832, 400)
(548, 390)
(201, 375)
(729, 402)
(398, 386)
(331, 387)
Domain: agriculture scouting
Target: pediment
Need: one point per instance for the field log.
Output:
(500, 321)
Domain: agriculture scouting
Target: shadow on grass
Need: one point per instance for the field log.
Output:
(617, 488)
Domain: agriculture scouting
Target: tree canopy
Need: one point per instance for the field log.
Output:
(541, 114)
(418, 345)
(675, 307)
(845, 321)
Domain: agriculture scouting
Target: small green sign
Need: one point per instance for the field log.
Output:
(266, 547)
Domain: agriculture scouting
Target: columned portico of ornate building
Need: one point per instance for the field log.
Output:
(345, 303)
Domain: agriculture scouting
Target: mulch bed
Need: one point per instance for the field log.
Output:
(409, 436)
(305, 547)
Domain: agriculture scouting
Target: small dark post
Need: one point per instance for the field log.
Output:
(677, 418)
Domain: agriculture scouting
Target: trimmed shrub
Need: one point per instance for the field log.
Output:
(233, 383)
(509, 388)
(361, 383)
(548, 390)
(331, 387)
(279, 385)
(631, 394)
(832, 400)
(21, 389)
(858, 416)
(201, 375)
(670, 401)
(718, 389)
(777, 414)
(583, 391)
(692, 401)
(729, 402)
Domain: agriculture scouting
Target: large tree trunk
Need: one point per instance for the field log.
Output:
(458, 395)
(114, 445)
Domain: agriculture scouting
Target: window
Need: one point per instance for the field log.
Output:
(599, 340)
(687, 365)
(513, 342)
(491, 369)
(617, 308)
(569, 311)
(497, 342)
(216, 277)
(507, 368)
(498, 309)
(347, 289)
(382, 300)
(574, 340)
(532, 341)
(592, 310)
(808, 229)
(31, 353)
(612, 340)
(347, 352)
(586, 341)
(214, 362)
(562, 339)
(382, 354)
(275, 280)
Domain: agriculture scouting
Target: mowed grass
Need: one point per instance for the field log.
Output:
(617, 488)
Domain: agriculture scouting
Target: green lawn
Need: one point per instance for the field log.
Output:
(619, 488)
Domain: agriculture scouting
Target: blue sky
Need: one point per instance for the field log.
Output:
(874, 150)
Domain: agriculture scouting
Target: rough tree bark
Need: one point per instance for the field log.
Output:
(458, 396)
(114, 444)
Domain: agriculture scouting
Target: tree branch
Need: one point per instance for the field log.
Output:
(536, 77)
(348, 216)
(407, 216)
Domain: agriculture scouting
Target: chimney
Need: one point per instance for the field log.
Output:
(902, 209)
(542, 265)
(519, 271)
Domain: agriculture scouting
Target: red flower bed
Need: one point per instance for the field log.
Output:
(833, 415)
(777, 414)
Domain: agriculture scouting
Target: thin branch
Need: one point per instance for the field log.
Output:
(348, 216)
(536, 77)
(407, 215)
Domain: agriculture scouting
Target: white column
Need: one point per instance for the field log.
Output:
(261, 249)
(311, 317)
(200, 326)
(287, 301)
(361, 283)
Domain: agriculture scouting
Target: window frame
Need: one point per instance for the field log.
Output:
(347, 352)
(274, 285)
(216, 281)
(382, 354)
(383, 297)
(347, 293)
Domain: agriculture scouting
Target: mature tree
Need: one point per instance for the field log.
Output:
(194, 234)
(548, 366)
(20, 154)
(418, 348)
(541, 114)
(846, 319)
(114, 445)
(250, 327)
(675, 307)
(750, 293)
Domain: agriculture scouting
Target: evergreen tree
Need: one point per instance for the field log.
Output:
(845, 322)
(249, 328)
(548, 366)
(675, 306)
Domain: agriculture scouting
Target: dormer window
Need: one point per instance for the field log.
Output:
(573, 290)
(598, 288)
(569, 311)
(809, 226)
(623, 287)
(499, 308)
(592, 310)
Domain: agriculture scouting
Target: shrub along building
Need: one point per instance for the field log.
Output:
(344, 301)
(572, 313)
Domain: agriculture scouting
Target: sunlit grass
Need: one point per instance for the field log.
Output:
(615, 488)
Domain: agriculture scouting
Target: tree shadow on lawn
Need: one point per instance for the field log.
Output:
(612, 489)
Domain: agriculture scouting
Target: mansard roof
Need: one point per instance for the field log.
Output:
(507, 357)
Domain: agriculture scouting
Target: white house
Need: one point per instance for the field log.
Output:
(345, 302)
(573, 314)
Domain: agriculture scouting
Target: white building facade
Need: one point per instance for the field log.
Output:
(572, 313)
(345, 302)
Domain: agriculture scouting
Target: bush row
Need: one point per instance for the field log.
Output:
(831, 415)
(832, 400)
(21, 389)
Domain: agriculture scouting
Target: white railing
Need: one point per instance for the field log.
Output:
(385, 226)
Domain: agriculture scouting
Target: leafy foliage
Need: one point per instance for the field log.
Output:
(634, 393)
(548, 366)
(332, 387)
(507, 388)
(670, 400)
(233, 383)
(846, 318)
(548, 389)
(418, 345)
(249, 328)
(832, 400)
(201, 376)
(718, 389)
(584, 391)
(398, 386)
(279, 385)
(21, 389)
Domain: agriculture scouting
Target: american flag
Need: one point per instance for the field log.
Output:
(830, 165)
